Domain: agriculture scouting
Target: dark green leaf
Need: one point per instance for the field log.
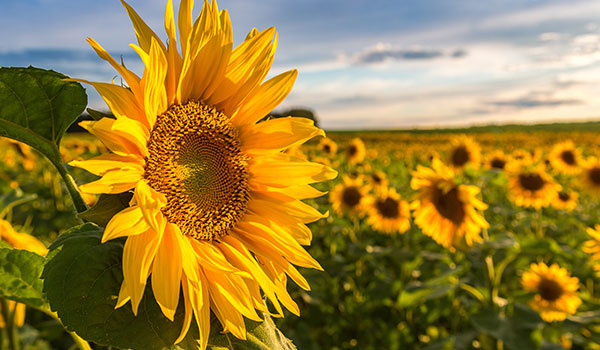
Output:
(97, 115)
(20, 272)
(37, 107)
(82, 282)
(108, 205)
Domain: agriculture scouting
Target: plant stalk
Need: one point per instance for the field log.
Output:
(78, 201)
(9, 322)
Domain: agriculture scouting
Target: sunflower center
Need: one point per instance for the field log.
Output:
(449, 205)
(531, 181)
(351, 196)
(195, 160)
(568, 157)
(376, 179)
(460, 156)
(498, 163)
(563, 196)
(595, 175)
(327, 149)
(549, 289)
(352, 150)
(388, 208)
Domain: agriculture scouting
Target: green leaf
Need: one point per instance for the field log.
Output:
(261, 336)
(37, 107)
(20, 272)
(13, 198)
(82, 283)
(106, 207)
(516, 332)
(97, 115)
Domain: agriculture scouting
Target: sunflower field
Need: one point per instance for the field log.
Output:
(190, 216)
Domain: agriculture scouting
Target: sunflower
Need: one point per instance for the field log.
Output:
(327, 146)
(355, 153)
(351, 195)
(465, 151)
(23, 241)
(496, 160)
(522, 156)
(378, 179)
(565, 158)
(590, 176)
(592, 247)
(445, 210)
(216, 212)
(556, 291)
(565, 200)
(531, 186)
(388, 212)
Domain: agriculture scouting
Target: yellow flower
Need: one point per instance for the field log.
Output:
(388, 212)
(496, 160)
(216, 212)
(378, 179)
(565, 200)
(465, 151)
(350, 196)
(590, 176)
(19, 241)
(565, 158)
(531, 186)
(556, 291)
(355, 153)
(592, 247)
(327, 146)
(445, 210)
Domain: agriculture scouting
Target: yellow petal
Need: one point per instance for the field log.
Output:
(150, 203)
(123, 136)
(127, 222)
(143, 32)
(101, 164)
(265, 98)
(277, 134)
(115, 181)
(166, 273)
(283, 171)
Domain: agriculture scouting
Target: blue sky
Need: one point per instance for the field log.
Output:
(363, 64)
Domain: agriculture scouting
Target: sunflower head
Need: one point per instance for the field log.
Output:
(445, 210)
(497, 160)
(378, 179)
(350, 196)
(556, 291)
(388, 212)
(356, 151)
(531, 186)
(20, 240)
(464, 151)
(216, 213)
(566, 200)
(589, 178)
(592, 247)
(328, 147)
(565, 158)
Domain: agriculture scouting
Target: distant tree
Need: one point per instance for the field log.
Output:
(295, 112)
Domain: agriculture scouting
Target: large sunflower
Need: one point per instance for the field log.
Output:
(531, 186)
(565, 157)
(556, 292)
(445, 210)
(216, 210)
(590, 176)
(388, 212)
(465, 151)
(23, 241)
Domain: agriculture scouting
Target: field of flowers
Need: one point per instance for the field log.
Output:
(433, 240)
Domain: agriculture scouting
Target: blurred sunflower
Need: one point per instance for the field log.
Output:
(445, 210)
(522, 156)
(565, 158)
(565, 200)
(378, 179)
(350, 196)
(592, 247)
(388, 212)
(556, 291)
(216, 211)
(465, 151)
(327, 146)
(496, 160)
(590, 176)
(355, 152)
(531, 186)
(22, 241)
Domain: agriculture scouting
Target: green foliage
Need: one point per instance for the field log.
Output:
(20, 272)
(82, 282)
(106, 207)
(37, 106)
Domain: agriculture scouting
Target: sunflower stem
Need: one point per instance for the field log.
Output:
(78, 201)
(539, 231)
(9, 322)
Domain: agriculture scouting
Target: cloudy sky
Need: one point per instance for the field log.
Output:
(363, 64)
